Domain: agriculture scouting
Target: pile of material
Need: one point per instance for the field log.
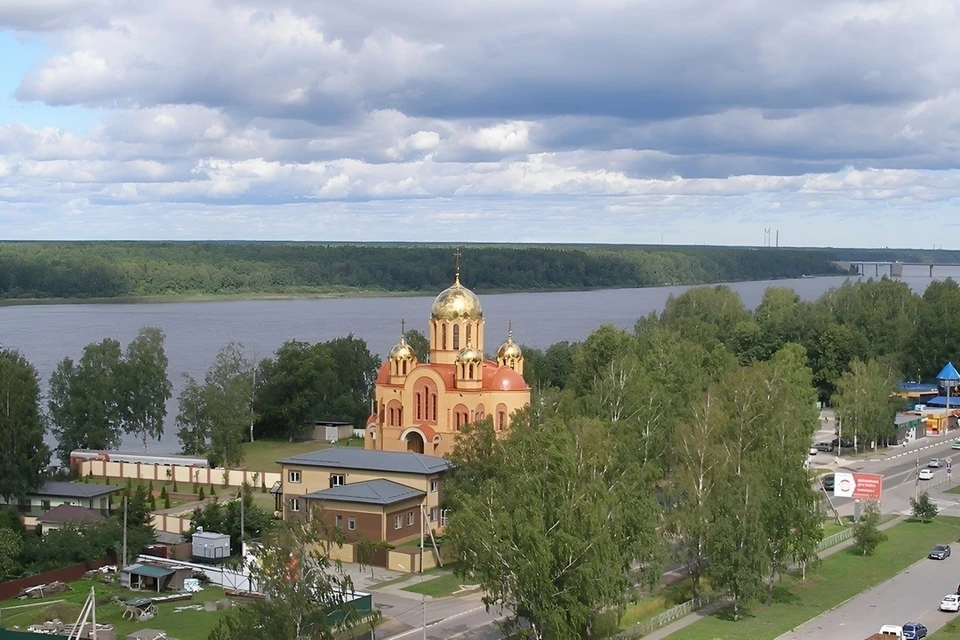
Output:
(43, 590)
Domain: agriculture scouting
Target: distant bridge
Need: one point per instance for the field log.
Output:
(892, 269)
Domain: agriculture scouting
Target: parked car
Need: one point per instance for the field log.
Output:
(955, 445)
(914, 631)
(814, 451)
(926, 474)
(940, 552)
(824, 446)
(935, 463)
(950, 603)
(848, 443)
(827, 481)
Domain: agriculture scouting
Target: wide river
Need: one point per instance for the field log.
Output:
(195, 331)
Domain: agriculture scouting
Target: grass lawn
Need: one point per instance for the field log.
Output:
(955, 489)
(839, 577)
(437, 587)
(262, 455)
(950, 631)
(659, 601)
(187, 625)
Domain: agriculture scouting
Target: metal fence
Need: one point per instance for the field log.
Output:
(846, 534)
(644, 627)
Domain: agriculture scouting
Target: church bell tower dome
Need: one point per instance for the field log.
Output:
(469, 355)
(456, 303)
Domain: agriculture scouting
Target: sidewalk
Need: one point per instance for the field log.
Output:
(664, 632)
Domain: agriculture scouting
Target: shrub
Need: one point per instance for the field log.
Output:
(201, 495)
(866, 533)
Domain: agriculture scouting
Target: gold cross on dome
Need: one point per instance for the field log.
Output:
(403, 327)
(510, 328)
(456, 256)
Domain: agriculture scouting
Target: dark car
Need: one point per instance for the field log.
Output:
(828, 481)
(940, 552)
(914, 631)
(823, 446)
(846, 444)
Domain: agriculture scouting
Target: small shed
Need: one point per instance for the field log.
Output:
(208, 546)
(146, 576)
(331, 431)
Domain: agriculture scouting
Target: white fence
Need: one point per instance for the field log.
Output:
(185, 475)
(644, 627)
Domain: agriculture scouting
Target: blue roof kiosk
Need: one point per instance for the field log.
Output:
(949, 379)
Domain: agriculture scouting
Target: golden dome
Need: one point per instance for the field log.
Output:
(402, 351)
(469, 354)
(456, 303)
(509, 349)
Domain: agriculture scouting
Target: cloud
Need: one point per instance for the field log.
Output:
(698, 117)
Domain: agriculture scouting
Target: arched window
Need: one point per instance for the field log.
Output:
(404, 367)
(501, 420)
(443, 337)
(456, 336)
(469, 333)
(419, 405)
(471, 371)
(479, 413)
(434, 400)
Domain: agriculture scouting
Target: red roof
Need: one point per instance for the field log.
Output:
(70, 513)
(495, 377)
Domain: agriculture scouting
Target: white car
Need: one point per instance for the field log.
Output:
(926, 474)
(935, 463)
(950, 603)
(814, 451)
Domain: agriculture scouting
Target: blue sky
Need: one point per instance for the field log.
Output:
(836, 122)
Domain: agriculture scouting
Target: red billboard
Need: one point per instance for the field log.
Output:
(863, 486)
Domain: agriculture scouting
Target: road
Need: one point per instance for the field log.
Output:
(912, 596)
(463, 618)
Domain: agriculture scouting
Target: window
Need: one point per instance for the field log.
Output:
(443, 517)
(410, 519)
(434, 485)
(434, 398)
(293, 476)
(471, 372)
(433, 514)
(338, 521)
(443, 337)
(501, 420)
(469, 332)
(294, 504)
(456, 336)
(336, 480)
(45, 505)
(419, 404)
(351, 524)
(404, 363)
(398, 522)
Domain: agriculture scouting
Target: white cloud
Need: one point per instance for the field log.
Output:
(221, 119)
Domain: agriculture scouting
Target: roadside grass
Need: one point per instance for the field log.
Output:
(955, 489)
(950, 631)
(659, 601)
(187, 625)
(439, 587)
(839, 577)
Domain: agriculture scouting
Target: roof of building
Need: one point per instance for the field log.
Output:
(379, 491)
(352, 458)
(209, 535)
(949, 373)
(70, 513)
(495, 377)
(149, 570)
(75, 490)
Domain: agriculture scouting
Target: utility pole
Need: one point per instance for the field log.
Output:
(423, 597)
(242, 528)
(123, 560)
(916, 481)
(253, 392)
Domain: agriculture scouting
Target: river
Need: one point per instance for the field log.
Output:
(195, 331)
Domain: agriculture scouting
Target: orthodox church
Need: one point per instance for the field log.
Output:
(421, 406)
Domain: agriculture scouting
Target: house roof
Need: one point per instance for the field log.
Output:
(149, 570)
(70, 513)
(75, 490)
(379, 491)
(352, 458)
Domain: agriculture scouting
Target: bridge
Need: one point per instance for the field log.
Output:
(892, 269)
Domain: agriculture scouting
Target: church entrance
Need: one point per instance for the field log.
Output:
(414, 442)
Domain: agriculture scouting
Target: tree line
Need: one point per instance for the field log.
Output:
(79, 270)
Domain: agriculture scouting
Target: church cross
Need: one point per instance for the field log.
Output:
(456, 256)
(403, 327)
(510, 328)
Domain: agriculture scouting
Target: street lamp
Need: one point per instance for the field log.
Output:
(949, 378)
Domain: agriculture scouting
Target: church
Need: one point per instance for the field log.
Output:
(420, 407)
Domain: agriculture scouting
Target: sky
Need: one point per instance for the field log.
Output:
(832, 122)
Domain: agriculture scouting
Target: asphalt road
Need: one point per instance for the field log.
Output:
(912, 596)
(464, 618)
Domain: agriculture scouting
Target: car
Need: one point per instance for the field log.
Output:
(814, 451)
(926, 474)
(846, 444)
(893, 630)
(824, 446)
(914, 631)
(950, 602)
(935, 463)
(955, 445)
(827, 481)
(940, 552)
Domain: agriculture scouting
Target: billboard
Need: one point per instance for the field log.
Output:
(863, 486)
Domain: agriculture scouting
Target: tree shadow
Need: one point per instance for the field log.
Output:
(726, 614)
(783, 595)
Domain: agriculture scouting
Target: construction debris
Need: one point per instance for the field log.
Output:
(44, 590)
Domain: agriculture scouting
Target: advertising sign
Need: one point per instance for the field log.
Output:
(865, 486)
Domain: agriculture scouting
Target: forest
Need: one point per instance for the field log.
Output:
(118, 270)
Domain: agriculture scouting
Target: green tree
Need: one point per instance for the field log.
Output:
(866, 401)
(293, 388)
(705, 314)
(10, 545)
(224, 517)
(294, 569)
(588, 516)
(936, 338)
(419, 343)
(924, 509)
(213, 415)
(593, 357)
(23, 453)
(85, 404)
(867, 535)
(145, 385)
